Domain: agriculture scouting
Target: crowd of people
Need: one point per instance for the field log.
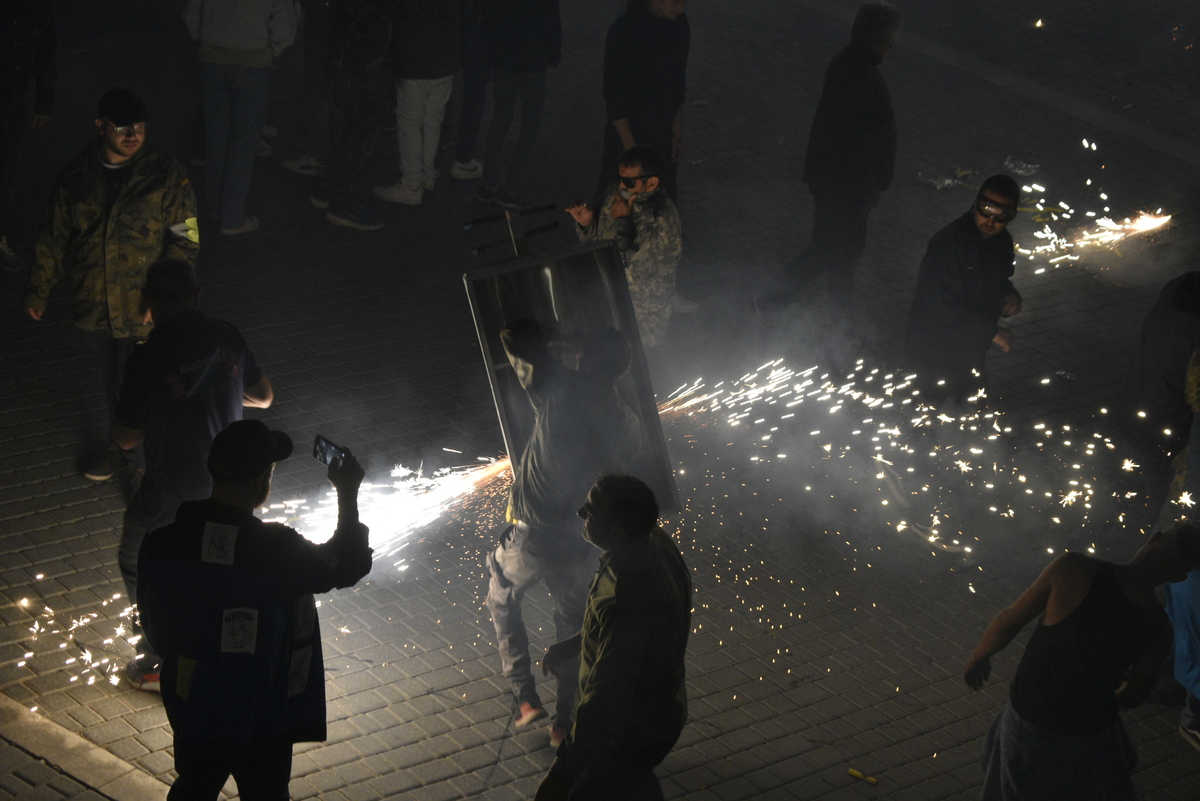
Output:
(225, 600)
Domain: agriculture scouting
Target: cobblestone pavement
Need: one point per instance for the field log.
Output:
(829, 633)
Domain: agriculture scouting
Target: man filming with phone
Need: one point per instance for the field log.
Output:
(227, 600)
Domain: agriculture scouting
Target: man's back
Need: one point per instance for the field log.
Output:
(183, 387)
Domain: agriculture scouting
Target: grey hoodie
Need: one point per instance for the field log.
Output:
(244, 32)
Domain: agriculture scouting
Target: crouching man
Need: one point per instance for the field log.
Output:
(226, 601)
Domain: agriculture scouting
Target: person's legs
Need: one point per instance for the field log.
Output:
(410, 115)
(569, 585)
(263, 770)
(625, 773)
(250, 89)
(348, 164)
(316, 106)
(202, 768)
(217, 106)
(838, 238)
(477, 73)
(511, 571)
(531, 88)
(504, 90)
(437, 95)
(1190, 718)
(853, 241)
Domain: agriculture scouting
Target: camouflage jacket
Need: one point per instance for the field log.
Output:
(104, 230)
(650, 244)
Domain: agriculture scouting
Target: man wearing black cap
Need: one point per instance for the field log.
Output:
(119, 206)
(226, 599)
(963, 286)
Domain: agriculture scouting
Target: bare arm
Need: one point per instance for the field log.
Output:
(259, 395)
(625, 132)
(1006, 625)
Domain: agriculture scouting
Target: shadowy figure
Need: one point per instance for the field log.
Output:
(315, 27)
(848, 166)
(639, 215)
(27, 53)
(228, 601)
(184, 386)
(118, 206)
(524, 38)
(477, 74)
(645, 80)
(1183, 598)
(581, 427)
(425, 55)
(632, 693)
(238, 39)
(963, 286)
(1060, 735)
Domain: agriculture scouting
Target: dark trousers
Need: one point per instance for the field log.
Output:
(14, 121)
(235, 109)
(839, 237)
(108, 356)
(347, 171)
(317, 110)
(658, 135)
(624, 773)
(530, 88)
(477, 74)
(261, 768)
(513, 569)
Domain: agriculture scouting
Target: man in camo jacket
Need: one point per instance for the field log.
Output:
(118, 206)
(639, 215)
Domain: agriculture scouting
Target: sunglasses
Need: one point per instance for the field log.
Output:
(629, 182)
(988, 210)
(136, 129)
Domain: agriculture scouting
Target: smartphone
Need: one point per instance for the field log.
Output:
(325, 451)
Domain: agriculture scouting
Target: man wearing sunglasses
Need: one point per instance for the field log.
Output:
(119, 206)
(963, 286)
(639, 215)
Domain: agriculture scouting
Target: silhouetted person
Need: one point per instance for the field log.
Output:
(227, 600)
(118, 206)
(239, 40)
(358, 78)
(645, 81)
(27, 53)
(638, 214)
(315, 31)
(182, 387)
(581, 428)
(1183, 598)
(632, 693)
(476, 75)
(848, 166)
(963, 287)
(524, 39)
(1060, 736)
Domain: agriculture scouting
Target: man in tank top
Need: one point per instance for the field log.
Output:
(1097, 648)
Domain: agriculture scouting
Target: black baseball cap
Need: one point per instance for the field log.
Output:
(245, 450)
(121, 107)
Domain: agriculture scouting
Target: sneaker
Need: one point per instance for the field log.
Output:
(507, 200)
(1191, 735)
(269, 132)
(304, 165)
(399, 193)
(557, 735)
(528, 714)
(320, 199)
(10, 260)
(196, 161)
(143, 674)
(486, 194)
(467, 170)
(104, 465)
(262, 148)
(361, 219)
(682, 305)
(431, 178)
(251, 224)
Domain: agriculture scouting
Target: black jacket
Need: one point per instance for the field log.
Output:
(645, 67)
(961, 287)
(523, 36)
(852, 145)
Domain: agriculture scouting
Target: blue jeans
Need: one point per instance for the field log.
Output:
(1190, 719)
(235, 110)
(530, 87)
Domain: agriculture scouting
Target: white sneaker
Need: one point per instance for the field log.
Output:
(431, 177)
(467, 170)
(399, 193)
(304, 165)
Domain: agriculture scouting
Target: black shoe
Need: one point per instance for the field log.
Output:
(320, 199)
(104, 465)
